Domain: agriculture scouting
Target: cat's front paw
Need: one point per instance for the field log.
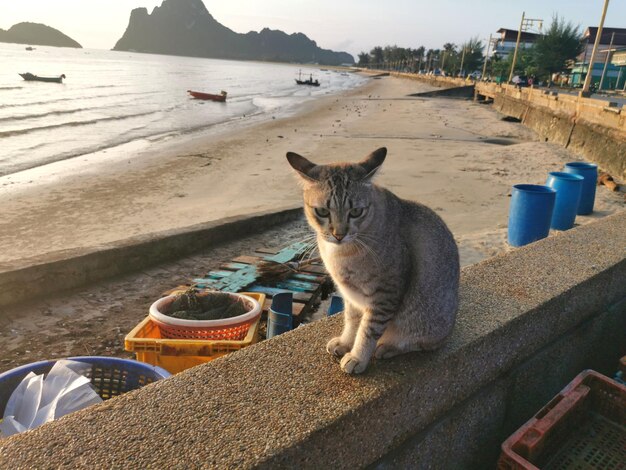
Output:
(352, 364)
(336, 348)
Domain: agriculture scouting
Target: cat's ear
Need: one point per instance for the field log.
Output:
(302, 166)
(373, 162)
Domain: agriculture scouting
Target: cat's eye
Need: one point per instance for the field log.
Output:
(322, 212)
(356, 212)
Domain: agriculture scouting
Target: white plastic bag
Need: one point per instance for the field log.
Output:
(37, 400)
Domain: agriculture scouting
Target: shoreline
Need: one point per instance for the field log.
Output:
(435, 157)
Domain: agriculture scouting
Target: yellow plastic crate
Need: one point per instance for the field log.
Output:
(176, 355)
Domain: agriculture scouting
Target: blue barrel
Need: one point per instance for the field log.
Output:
(530, 213)
(568, 187)
(280, 315)
(336, 305)
(589, 171)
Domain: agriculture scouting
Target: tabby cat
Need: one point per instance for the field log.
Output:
(395, 262)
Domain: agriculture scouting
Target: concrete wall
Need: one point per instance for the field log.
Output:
(57, 271)
(592, 128)
(595, 129)
(529, 321)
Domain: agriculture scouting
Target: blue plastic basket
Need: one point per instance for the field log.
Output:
(111, 376)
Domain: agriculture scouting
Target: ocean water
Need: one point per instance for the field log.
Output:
(112, 98)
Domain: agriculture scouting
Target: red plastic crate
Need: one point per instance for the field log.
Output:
(583, 427)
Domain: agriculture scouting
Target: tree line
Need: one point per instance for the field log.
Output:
(552, 52)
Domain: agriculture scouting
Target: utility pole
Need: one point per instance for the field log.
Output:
(585, 90)
(524, 25)
(482, 76)
(519, 36)
(462, 60)
(606, 60)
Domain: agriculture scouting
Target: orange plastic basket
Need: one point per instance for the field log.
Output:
(227, 329)
(149, 344)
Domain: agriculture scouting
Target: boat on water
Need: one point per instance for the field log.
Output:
(29, 77)
(309, 82)
(208, 96)
(29, 48)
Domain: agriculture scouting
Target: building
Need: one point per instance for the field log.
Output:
(505, 44)
(615, 75)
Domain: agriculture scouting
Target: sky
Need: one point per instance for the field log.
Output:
(341, 25)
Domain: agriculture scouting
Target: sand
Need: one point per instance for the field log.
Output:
(436, 156)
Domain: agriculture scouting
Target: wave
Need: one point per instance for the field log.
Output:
(36, 103)
(74, 124)
(10, 87)
(122, 139)
(51, 113)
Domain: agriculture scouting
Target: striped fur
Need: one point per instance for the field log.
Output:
(395, 262)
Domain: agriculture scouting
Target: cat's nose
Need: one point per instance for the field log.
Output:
(339, 236)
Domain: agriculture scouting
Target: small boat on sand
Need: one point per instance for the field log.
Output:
(208, 96)
(29, 77)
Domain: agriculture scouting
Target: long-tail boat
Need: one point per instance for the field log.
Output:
(29, 77)
(208, 96)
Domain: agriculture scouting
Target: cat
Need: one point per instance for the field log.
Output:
(394, 261)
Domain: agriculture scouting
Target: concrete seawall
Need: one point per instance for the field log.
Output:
(595, 129)
(592, 128)
(58, 271)
(529, 321)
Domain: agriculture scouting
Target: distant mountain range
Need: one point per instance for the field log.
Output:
(185, 27)
(37, 34)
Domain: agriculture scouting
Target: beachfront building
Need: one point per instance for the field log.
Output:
(505, 44)
(614, 76)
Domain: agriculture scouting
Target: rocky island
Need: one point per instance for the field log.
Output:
(37, 34)
(185, 27)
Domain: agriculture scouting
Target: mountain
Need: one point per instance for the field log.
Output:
(185, 27)
(37, 34)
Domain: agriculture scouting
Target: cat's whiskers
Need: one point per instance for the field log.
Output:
(368, 250)
(308, 251)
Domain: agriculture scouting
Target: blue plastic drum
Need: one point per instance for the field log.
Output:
(280, 314)
(589, 171)
(568, 188)
(530, 213)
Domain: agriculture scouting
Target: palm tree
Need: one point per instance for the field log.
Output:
(377, 56)
(473, 56)
(364, 59)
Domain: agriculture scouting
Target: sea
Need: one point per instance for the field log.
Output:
(111, 99)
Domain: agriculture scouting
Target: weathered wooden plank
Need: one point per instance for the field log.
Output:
(271, 291)
(314, 269)
(219, 274)
(298, 286)
(267, 251)
(307, 278)
(247, 259)
(287, 254)
(234, 266)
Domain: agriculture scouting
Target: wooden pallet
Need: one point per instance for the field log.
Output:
(240, 275)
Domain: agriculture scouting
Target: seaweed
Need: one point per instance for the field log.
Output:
(213, 305)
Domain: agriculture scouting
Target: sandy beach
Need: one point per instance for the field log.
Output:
(437, 155)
